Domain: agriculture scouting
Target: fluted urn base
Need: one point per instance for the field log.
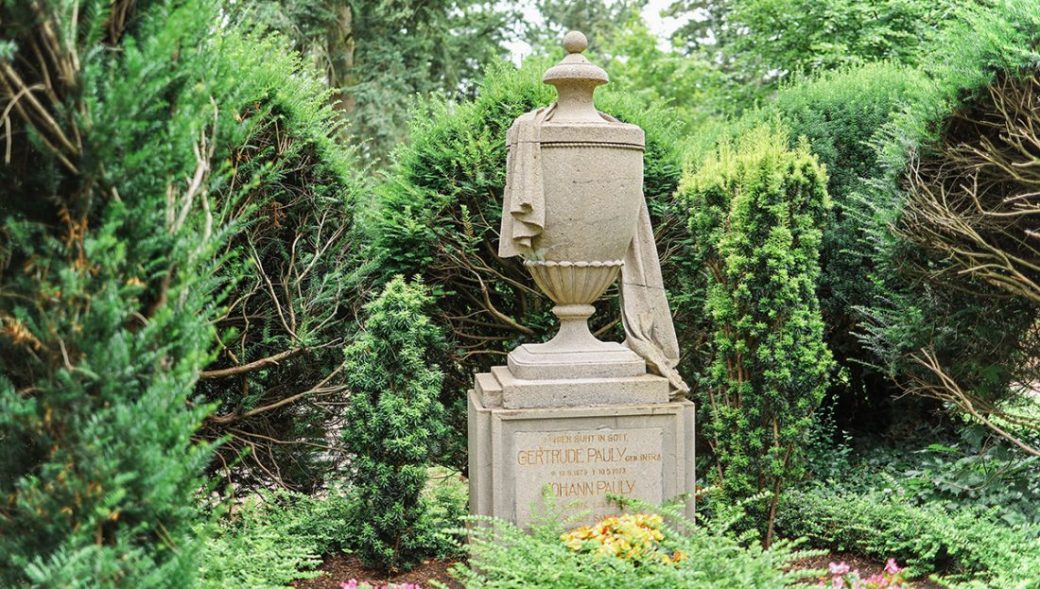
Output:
(574, 352)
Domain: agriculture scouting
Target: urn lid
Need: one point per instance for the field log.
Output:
(574, 117)
(575, 69)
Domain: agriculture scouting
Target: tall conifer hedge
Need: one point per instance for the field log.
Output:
(955, 220)
(756, 214)
(109, 236)
(137, 141)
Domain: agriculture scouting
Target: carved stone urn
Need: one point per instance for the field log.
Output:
(573, 210)
(573, 198)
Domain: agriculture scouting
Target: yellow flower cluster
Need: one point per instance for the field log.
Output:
(633, 536)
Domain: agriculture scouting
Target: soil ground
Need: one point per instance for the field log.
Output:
(340, 568)
(865, 566)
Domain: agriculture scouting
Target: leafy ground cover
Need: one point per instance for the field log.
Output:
(339, 567)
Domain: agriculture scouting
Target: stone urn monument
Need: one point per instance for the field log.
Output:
(578, 417)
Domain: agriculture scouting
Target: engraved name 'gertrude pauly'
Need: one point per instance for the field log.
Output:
(581, 468)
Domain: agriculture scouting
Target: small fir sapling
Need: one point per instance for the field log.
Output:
(395, 424)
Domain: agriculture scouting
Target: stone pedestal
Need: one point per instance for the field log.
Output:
(583, 438)
(578, 416)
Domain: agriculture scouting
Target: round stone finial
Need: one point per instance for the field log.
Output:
(575, 79)
(575, 42)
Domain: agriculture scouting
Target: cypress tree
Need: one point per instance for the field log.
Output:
(108, 233)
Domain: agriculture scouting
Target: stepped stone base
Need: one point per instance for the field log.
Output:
(501, 388)
(555, 361)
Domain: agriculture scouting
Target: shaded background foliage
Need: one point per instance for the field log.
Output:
(757, 44)
(951, 222)
(278, 379)
(378, 55)
(841, 114)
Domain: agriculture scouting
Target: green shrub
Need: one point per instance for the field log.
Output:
(1021, 574)
(756, 211)
(447, 495)
(166, 131)
(293, 270)
(317, 521)
(503, 556)
(952, 221)
(109, 239)
(758, 43)
(438, 216)
(841, 115)
(394, 425)
(965, 544)
(272, 540)
(973, 468)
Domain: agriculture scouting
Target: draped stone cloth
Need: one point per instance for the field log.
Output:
(649, 331)
(523, 210)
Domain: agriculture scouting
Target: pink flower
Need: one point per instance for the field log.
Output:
(351, 584)
(838, 568)
(877, 581)
(891, 567)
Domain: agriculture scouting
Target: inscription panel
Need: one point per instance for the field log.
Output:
(582, 467)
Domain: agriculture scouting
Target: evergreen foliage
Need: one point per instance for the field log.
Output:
(964, 545)
(395, 424)
(258, 550)
(377, 56)
(756, 213)
(970, 468)
(502, 556)
(156, 136)
(758, 43)
(842, 115)
(186, 240)
(294, 270)
(109, 237)
(273, 539)
(439, 212)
